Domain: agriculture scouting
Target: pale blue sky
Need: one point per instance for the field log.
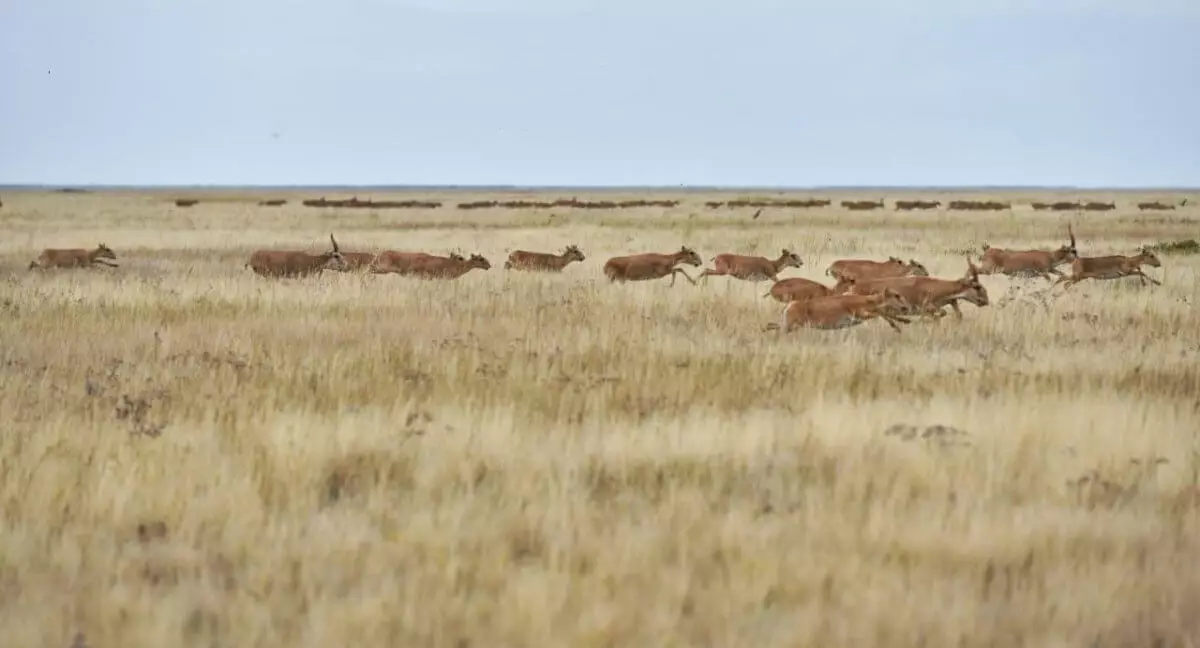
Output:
(614, 92)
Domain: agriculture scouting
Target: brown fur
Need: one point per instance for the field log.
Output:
(846, 271)
(74, 258)
(842, 311)
(295, 263)
(428, 266)
(751, 268)
(356, 261)
(393, 262)
(928, 295)
(648, 266)
(1112, 267)
(542, 261)
(797, 289)
(1041, 263)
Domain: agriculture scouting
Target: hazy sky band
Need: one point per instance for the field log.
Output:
(596, 93)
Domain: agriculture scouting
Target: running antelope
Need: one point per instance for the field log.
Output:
(1112, 267)
(393, 262)
(797, 289)
(295, 263)
(928, 295)
(542, 261)
(842, 311)
(846, 271)
(651, 265)
(75, 258)
(1028, 263)
(751, 268)
(428, 266)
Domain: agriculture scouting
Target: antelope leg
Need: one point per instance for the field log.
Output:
(888, 319)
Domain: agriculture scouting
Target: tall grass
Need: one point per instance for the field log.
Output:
(195, 456)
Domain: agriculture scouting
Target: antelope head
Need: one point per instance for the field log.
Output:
(478, 261)
(333, 258)
(789, 258)
(1150, 258)
(973, 290)
(1069, 252)
(892, 302)
(688, 255)
(105, 252)
(916, 269)
(573, 253)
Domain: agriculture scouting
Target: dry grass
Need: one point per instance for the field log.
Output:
(195, 456)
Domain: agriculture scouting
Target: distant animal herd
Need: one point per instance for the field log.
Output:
(892, 290)
(802, 203)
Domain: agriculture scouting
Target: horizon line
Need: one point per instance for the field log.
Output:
(47, 186)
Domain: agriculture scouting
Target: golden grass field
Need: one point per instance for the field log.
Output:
(193, 455)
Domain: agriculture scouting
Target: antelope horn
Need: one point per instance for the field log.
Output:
(334, 242)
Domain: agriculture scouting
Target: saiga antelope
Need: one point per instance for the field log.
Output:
(393, 262)
(75, 258)
(1112, 267)
(651, 265)
(295, 263)
(842, 311)
(929, 295)
(437, 267)
(797, 289)
(751, 268)
(542, 261)
(849, 270)
(1028, 263)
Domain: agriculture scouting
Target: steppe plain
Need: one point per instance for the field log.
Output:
(193, 455)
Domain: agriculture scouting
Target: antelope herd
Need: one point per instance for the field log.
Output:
(865, 289)
(739, 203)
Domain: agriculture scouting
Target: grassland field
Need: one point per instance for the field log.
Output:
(192, 455)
